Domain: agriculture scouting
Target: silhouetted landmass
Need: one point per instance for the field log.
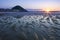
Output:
(14, 9)
(19, 8)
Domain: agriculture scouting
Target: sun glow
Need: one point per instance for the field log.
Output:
(47, 10)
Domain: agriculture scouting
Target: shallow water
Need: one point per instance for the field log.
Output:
(32, 27)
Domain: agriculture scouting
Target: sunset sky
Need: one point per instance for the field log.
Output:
(32, 4)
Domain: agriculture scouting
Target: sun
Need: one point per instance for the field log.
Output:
(47, 10)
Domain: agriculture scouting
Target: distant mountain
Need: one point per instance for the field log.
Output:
(14, 9)
(19, 8)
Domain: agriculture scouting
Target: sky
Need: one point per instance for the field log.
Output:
(31, 4)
